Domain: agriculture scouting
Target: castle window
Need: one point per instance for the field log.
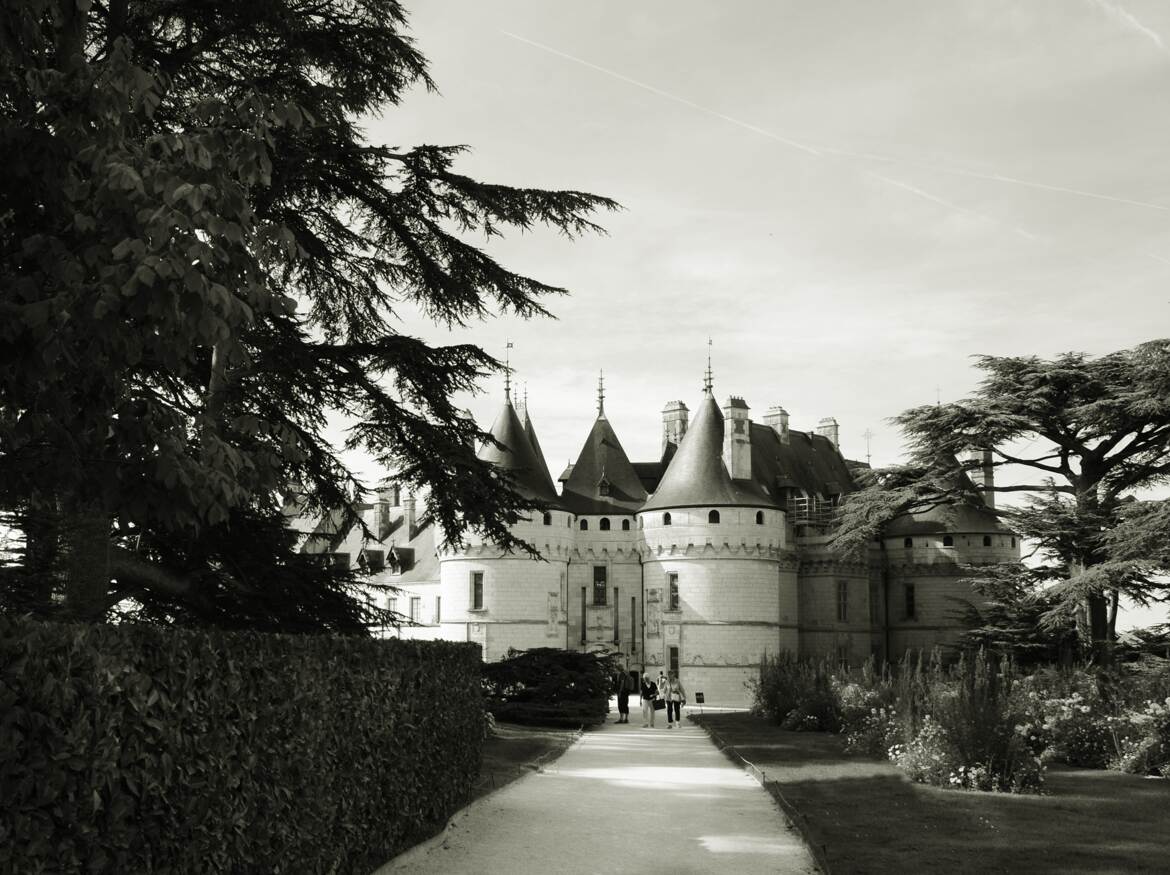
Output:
(625, 525)
(438, 609)
(948, 541)
(392, 604)
(666, 519)
(603, 487)
(415, 608)
(548, 519)
(759, 517)
(584, 525)
(907, 542)
(477, 590)
(672, 592)
(641, 523)
(604, 525)
(1013, 542)
(599, 584)
(911, 607)
(987, 540)
(713, 516)
(842, 601)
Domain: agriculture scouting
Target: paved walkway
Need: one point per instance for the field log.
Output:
(622, 799)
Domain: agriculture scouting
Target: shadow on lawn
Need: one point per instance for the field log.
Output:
(867, 817)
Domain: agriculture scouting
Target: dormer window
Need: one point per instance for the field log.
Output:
(603, 487)
(604, 525)
(713, 516)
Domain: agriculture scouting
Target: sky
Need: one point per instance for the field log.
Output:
(848, 199)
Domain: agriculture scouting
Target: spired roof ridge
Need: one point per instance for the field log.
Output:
(603, 459)
(517, 456)
(697, 476)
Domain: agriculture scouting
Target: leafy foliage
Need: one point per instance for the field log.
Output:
(133, 749)
(1100, 428)
(201, 255)
(546, 686)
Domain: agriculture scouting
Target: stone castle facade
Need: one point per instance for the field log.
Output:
(700, 562)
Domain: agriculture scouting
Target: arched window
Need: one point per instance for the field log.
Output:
(948, 541)
(713, 516)
(987, 540)
(625, 525)
(604, 526)
(666, 518)
(1013, 541)
(759, 517)
(907, 542)
(584, 525)
(548, 519)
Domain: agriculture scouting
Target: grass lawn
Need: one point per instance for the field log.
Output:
(866, 816)
(514, 751)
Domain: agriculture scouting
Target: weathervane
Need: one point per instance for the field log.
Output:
(601, 392)
(507, 371)
(868, 435)
(707, 381)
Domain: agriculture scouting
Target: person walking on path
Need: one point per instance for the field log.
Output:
(649, 694)
(675, 697)
(623, 694)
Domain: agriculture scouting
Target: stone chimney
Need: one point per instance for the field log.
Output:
(983, 476)
(674, 423)
(382, 513)
(829, 428)
(408, 520)
(737, 438)
(777, 419)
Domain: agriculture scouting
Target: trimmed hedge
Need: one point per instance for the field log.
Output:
(547, 686)
(134, 748)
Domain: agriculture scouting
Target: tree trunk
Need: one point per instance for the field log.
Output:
(86, 531)
(1100, 641)
(42, 553)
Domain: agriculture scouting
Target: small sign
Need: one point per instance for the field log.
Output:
(699, 700)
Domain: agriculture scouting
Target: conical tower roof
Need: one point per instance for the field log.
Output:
(530, 430)
(517, 456)
(697, 477)
(603, 480)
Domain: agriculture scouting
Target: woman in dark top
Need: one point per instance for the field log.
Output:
(649, 694)
(625, 684)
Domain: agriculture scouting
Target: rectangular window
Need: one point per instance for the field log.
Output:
(674, 661)
(438, 609)
(599, 584)
(477, 590)
(911, 608)
(842, 601)
(617, 618)
(415, 608)
(672, 590)
(392, 604)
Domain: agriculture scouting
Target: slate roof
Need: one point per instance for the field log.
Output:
(808, 461)
(516, 456)
(530, 430)
(602, 457)
(696, 476)
(971, 516)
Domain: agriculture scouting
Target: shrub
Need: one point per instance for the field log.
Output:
(546, 686)
(1143, 740)
(796, 693)
(136, 748)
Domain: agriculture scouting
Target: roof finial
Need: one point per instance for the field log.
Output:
(868, 437)
(525, 397)
(507, 372)
(707, 381)
(601, 392)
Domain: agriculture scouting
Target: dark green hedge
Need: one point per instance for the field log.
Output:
(135, 748)
(547, 686)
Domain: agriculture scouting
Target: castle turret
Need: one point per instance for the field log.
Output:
(737, 440)
(983, 476)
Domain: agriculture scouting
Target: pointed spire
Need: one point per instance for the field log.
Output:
(601, 392)
(708, 383)
(508, 373)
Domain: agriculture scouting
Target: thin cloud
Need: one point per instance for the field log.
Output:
(945, 203)
(1128, 21)
(821, 151)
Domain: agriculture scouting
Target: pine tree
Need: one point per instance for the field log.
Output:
(200, 255)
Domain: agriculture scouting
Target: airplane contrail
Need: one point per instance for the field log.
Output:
(938, 200)
(821, 151)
